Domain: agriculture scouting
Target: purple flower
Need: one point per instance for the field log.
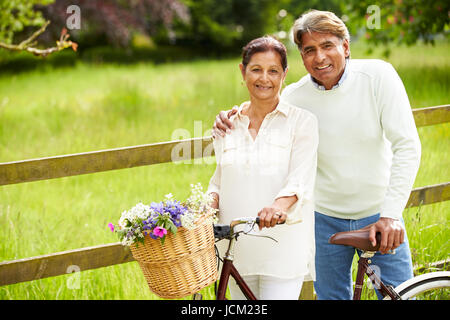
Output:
(158, 207)
(130, 234)
(111, 227)
(153, 236)
(159, 232)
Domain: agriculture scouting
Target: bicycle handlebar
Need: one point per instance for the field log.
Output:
(243, 220)
(222, 231)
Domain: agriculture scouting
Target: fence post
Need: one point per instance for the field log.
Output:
(307, 291)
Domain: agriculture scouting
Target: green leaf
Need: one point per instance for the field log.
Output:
(173, 229)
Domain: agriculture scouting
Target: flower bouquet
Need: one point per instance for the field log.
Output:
(173, 242)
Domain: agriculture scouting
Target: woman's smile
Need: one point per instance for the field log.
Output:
(264, 75)
(263, 87)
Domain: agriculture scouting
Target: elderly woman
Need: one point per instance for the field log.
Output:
(267, 166)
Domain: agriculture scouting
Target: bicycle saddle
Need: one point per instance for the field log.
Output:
(357, 238)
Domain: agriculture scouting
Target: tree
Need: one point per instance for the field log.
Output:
(384, 22)
(15, 16)
(227, 24)
(114, 22)
(291, 10)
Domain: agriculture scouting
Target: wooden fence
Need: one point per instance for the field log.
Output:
(55, 264)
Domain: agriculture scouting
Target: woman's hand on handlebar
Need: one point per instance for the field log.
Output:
(271, 216)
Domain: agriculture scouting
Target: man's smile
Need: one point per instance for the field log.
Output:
(323, 67)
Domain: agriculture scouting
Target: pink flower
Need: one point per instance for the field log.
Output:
(111, 227)
(159, 232)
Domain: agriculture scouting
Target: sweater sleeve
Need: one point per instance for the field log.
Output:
(399, 128)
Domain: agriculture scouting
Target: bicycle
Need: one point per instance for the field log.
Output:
(225, 231)
(358, 239)
(412, 288)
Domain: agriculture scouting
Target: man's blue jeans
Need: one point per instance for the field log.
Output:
(334, 262)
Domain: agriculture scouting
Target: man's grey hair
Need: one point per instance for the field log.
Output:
(319, 21)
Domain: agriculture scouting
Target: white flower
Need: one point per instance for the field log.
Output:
(169, 196)
(198, 204)
(138, 212)
(122, 220)
(188, 221)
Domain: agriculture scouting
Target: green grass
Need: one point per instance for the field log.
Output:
(92, 107)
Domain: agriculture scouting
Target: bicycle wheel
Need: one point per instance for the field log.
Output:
(428, 286)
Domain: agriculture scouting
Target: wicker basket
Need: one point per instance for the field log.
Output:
(185, 264)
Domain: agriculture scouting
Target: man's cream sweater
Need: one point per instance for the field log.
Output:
(369, 149)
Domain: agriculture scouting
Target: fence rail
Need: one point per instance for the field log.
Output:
(98, 161)
(56, 264)
(100, 256)
(431, 115)
(148, 154)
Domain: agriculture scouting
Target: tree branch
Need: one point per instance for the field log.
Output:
(29, 43)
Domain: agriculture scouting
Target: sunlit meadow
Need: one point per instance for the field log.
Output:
(59, 111)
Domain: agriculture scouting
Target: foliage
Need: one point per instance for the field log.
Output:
(210, 24)
(227, 23)
(215, 25)
(115, 22)
(15, 15)
(384, 22)
(295, 8)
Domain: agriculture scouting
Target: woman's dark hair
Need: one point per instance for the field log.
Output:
(263, 44)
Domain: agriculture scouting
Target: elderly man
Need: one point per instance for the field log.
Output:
(368, 156)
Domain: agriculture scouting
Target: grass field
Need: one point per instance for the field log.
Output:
(91, 107)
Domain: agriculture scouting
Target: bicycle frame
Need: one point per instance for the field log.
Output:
(229, 269)
(364, 268)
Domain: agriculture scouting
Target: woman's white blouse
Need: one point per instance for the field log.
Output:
(251, 174)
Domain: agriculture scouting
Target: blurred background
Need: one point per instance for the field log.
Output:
(169, 30)
(138, 71)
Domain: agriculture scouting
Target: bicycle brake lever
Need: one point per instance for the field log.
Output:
(260, 236)
(251, 226)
